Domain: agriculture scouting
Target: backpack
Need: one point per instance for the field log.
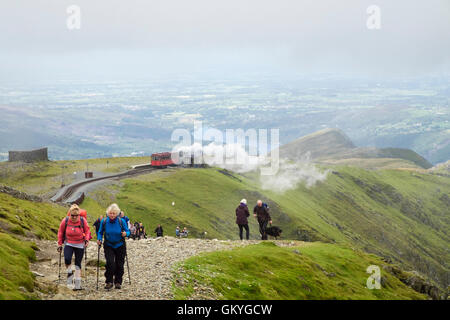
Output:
(120, 223)
(80, 226)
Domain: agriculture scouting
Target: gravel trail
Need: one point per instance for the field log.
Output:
(151, 263)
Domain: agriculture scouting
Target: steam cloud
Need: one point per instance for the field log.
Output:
(234, 157)
(291, 174)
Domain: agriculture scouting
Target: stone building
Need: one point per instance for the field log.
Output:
(29, 156)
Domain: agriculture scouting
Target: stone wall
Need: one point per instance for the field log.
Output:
(18, 194)
(29, 156)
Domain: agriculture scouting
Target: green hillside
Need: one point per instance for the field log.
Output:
(267, 271)
(407, 155)
(398, 214)
(20, 221)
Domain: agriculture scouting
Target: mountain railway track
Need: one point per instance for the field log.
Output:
(66, 194)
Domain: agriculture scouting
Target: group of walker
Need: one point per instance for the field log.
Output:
(260, 212)
(74, 234)
(112, 231)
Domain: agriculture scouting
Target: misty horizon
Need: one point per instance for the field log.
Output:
(135, 39)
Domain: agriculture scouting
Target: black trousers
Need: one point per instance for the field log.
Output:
(68, 254)
(115, 259)
(241, 229)
(262, 229)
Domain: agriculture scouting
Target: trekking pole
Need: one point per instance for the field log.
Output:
(85, 263)
(128, 267)
(59, 268)
(98, 263)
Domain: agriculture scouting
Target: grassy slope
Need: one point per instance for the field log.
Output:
(14, 258)
(44, 178)
(205, 200)
(404, 157)
(266, 271)
(374, 163)
(388, 212)
(395, 213)
(19, 218)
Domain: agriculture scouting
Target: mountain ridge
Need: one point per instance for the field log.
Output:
(334, 144)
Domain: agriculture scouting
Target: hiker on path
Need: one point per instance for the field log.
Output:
(261, 212)
(141, 231)
(177, 232)
(184, 233)
(241, 219)
(115, 230)
(74, 233)
(127, 220)
(136, 233)
(133, 232)
(124, 217)
(159, 231)
(97, 224)
(82, 213)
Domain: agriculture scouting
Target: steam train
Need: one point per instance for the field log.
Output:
(162, 160)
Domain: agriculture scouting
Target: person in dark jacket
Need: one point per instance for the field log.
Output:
(159, 231)
(241, 218)
(136, 233)
(261, 212)
(141, 232)
(97, 224)
(115, 230)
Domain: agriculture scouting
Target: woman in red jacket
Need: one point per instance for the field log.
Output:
(74, 234)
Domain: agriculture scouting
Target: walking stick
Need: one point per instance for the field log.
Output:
(98, 262)
(85, 263)
(59, 268)
(126, 257)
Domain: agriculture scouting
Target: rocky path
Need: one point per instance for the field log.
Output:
(151, 263)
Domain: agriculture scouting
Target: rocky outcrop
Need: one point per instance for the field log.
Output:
(19, 194)
(416, 282)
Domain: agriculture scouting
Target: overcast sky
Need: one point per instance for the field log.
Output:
(146, 36)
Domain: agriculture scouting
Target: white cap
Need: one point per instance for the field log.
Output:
(244, 201)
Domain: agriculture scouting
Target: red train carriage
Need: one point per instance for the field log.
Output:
(161, 160)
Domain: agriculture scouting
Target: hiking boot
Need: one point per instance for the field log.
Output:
(108, 286)
(77, 284)
(117, 286)
(70, 278)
